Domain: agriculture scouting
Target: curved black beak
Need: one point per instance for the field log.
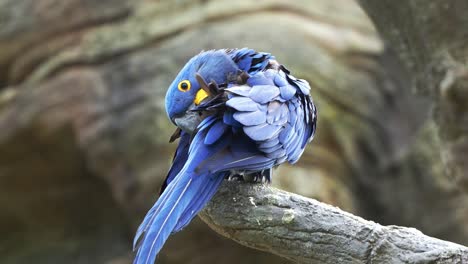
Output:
(187, 121)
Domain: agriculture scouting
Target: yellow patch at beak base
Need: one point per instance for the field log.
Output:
(200, 96)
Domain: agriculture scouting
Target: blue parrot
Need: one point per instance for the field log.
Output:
(238, 112)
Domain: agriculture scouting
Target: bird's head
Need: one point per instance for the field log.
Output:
(186, 92)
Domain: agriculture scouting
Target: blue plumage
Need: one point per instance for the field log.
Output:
(239, 111)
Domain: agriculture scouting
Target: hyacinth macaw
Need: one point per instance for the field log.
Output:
(238, 112)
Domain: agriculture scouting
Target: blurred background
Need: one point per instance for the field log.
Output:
(84, 135)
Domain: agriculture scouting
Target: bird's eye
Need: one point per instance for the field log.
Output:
(184, 86)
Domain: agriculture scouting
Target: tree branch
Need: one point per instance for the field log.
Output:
(307, 231)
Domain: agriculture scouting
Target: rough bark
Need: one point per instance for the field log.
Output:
(306, 231)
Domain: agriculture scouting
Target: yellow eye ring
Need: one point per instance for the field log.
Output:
(184, 86)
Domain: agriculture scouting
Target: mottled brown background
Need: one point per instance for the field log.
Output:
(84, 136)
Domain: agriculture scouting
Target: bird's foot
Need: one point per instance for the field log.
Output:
(235, 177)
(252, 177)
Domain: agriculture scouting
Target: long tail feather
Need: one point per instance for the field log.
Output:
(184, 196)
(181, 201)
(152, 213)
(211, 186)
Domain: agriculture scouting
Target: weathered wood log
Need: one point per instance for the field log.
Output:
(306, 231)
